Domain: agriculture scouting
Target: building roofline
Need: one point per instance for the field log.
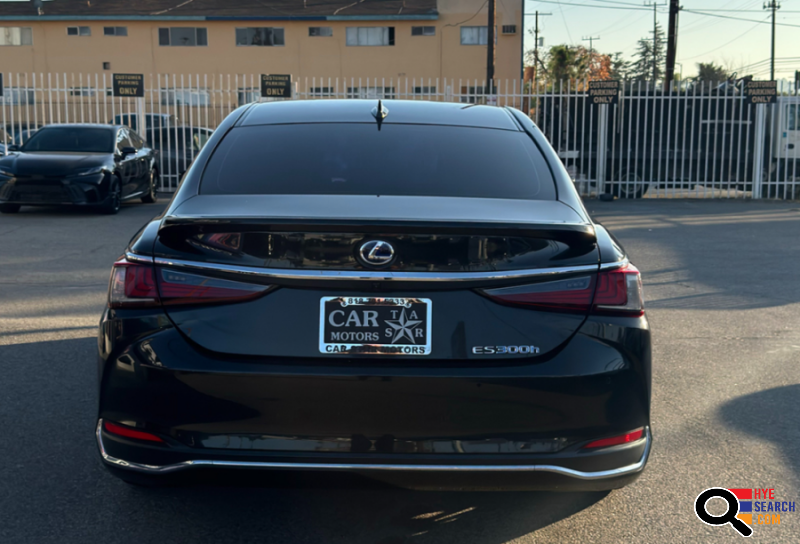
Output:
(428, 17)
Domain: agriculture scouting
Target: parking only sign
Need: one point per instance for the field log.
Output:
(276, 86)
(129, 85)
(761, 92)
(604, 92)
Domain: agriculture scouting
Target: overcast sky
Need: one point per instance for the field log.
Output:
(701, 38)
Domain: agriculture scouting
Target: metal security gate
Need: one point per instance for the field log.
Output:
(695, 140)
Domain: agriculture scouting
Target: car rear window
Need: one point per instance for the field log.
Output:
(397, 160)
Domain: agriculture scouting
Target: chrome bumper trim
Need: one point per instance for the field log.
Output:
(166, 469)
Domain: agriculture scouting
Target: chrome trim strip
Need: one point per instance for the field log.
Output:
(294, 274)
(614, 266)
(166, 469)
(133, 257)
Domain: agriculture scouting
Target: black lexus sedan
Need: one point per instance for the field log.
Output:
(84, 165)
(410, 291)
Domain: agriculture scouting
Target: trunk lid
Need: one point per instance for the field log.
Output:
(309, 248)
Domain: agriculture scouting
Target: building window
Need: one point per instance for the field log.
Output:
(320, 92)
(79, 31)
(509, 29)
(325, 31)
(248, 95)
(423, 31)
(182, 36)
(16, 35)
(425, 90)
(198, 97)
(115, 31)
(386, 93)
(476, 95)
(474, 35)
(19, 97)
(374, 35)
(106, 66)
(90, 91)
(259, 36)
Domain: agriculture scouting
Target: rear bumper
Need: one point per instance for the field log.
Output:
(528, 474)
(520, 424)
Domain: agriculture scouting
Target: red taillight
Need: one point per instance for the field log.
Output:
(632, 436)
(132, 285)
(129, 432)
(183, 288)
(574, 294)
(619, 291)
(138, 284)
(610, 292)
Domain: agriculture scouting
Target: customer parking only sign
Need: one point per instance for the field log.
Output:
(604, 92)
(276, 86)
(129, 85)
(761, 92)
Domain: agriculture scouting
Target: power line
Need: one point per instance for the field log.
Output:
(741, 10)
(563, 18)
(616, 2)
(590, 6)
(735, 18)
(752, 28)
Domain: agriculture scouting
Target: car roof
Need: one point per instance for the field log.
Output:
(84, 125)
(417, 112)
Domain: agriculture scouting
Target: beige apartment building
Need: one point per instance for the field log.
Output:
(421, 39)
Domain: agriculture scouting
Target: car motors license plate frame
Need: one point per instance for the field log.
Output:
(375, 325)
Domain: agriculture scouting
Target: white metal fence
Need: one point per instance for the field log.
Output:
(693, 140)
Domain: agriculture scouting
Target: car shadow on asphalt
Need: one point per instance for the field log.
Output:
(348, 508)
(769, 416)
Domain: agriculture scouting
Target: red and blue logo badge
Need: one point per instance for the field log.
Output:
(746, 507)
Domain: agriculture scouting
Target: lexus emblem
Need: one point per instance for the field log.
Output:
(376, 253)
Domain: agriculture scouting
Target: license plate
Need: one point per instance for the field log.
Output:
(375, 326)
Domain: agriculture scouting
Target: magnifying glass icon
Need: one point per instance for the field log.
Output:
(730, 514)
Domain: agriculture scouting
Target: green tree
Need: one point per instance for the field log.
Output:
(565, 63)
(620, 68)
(711, 72)
(641, 67)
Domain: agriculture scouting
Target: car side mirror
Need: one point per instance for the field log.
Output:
(13, 147)
(128, 151)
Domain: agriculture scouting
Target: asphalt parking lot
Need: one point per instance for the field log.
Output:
(723, 298)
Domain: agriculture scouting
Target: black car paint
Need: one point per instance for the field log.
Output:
(50, 178)
(239, 399)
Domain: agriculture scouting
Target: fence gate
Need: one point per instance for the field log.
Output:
(698, 140)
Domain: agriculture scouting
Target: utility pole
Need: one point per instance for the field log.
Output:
(773, 5)
(672, 41)
(491, 47)
(536, 47)
(655, 39)
(591, 40)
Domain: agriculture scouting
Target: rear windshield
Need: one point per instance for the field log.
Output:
(398, 160)
(71, 139)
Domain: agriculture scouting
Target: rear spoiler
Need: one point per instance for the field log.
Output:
(567, 233)
(382, 214)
